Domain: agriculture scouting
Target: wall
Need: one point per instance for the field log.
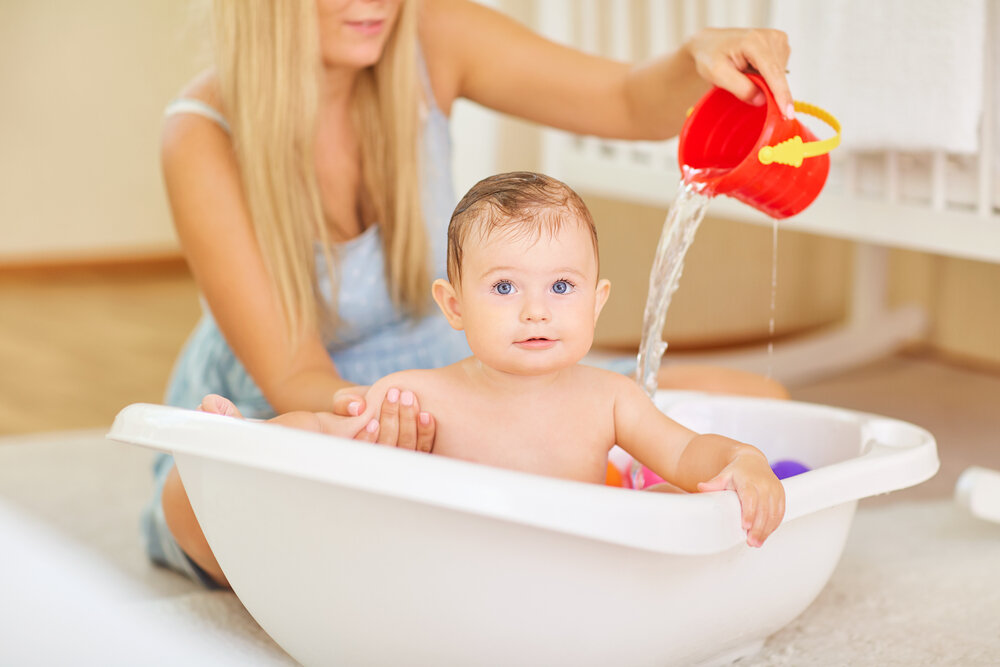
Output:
(84, 87)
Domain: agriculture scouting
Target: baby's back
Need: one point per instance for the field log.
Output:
(560, 428)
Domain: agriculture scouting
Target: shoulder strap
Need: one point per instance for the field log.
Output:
(197, 107)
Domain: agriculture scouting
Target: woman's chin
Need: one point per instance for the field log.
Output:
(358, 58)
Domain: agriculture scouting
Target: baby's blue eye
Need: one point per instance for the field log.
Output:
(562, 287)
(503, 287)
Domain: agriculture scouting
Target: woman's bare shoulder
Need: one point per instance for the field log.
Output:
(184, 131)
(205, 88)
(448, 32)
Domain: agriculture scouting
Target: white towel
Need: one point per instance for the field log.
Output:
(898, 74)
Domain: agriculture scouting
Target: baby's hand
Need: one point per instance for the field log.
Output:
(761, 494)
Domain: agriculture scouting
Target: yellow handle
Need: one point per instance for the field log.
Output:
(793, 151)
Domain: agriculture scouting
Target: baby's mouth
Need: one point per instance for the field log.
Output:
(536, 342)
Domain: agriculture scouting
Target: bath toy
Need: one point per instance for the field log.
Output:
(788, 468)
(614, 476)
(755, 154)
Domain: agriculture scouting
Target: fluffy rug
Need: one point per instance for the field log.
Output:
(917, 583)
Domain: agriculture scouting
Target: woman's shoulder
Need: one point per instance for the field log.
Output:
(448, 30)
(191, 130)
(203, 88)
(202, 93)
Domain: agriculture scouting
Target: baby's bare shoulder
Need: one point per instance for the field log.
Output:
(415, 380)
(429, 384)
(601, 376)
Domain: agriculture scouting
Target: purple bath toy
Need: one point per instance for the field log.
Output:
(788, 468)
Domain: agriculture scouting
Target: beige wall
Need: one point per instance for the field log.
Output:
(84, 86)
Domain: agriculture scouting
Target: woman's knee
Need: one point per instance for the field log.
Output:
(716, 379)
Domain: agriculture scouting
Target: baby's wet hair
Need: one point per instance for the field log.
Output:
(517, 203)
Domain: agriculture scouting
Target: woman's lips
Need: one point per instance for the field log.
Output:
(367, 28)
(536, 343)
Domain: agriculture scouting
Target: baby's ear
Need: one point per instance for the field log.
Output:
(603, 292)
(447, 300)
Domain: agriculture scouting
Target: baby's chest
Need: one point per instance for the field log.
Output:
(558, 442)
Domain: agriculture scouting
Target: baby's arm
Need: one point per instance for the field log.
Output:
(700, 462)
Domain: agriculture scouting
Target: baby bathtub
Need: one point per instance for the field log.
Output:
(353, 554)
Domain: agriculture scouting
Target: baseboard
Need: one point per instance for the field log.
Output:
(165, 261)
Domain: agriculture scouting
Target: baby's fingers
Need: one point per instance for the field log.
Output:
(759, 530)
(720, 482)
(219, 405)
(770, 511)
(749, 514)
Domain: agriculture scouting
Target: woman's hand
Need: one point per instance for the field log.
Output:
(400, 423)
(721, 55)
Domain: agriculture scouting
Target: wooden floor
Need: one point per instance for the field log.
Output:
(78, 346)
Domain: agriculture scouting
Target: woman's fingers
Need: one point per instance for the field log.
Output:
(369, 433)
(400, 423)
(408, 409)
(388, 431)
(767, 51)
(425, 432)
(723, 55)
(349, 401)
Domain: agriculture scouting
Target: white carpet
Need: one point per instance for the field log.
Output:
(917, 585)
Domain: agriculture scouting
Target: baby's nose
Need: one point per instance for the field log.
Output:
(535, 310)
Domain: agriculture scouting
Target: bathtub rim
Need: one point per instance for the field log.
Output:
(894, 455)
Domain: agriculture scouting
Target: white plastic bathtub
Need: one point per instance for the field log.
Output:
(353, 554)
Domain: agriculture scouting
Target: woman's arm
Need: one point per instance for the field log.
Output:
(212, 221)
(480, 54)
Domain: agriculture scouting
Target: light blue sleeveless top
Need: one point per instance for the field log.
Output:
(374, 339)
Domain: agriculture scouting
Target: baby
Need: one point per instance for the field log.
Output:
(523, 286)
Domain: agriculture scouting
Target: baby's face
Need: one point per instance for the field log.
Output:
(529, 305)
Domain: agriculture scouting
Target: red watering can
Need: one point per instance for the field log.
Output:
(755, 154)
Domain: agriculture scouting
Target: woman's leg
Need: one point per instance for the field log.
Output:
(177, 512)
(185, 528)
(715, 379)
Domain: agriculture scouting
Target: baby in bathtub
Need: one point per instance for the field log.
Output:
(523, 286)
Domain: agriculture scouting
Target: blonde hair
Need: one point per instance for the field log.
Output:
(269, 70)
(518, 203)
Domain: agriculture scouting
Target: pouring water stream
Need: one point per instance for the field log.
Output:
(679, 228)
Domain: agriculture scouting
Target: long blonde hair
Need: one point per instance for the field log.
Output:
(269, 68)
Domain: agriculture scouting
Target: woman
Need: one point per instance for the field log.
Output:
(308, 174)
